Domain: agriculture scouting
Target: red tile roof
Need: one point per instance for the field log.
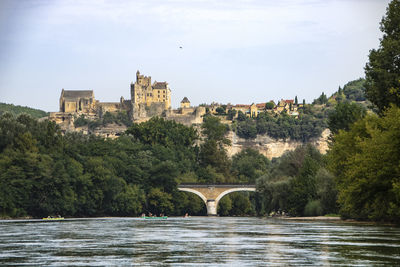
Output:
(260, 106)
(241, 106)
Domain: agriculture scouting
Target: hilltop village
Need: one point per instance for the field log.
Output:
(148, 100)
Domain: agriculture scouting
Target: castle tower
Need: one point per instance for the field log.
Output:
(185, 103)
(149, 99)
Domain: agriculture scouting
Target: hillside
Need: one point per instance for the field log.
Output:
(36, 113)
(297, 122)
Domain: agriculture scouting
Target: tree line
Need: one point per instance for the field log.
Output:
(16, 110)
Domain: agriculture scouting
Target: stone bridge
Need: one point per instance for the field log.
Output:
(211, 194)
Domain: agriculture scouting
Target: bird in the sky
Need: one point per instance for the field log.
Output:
(180, 47)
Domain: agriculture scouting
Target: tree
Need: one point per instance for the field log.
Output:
(108, 118)
(16, 110)
(231, 114)
(241, 116)
(211, 154)
(296, 102)
(344, 115)
(80, 121)
(163, 132)
(220, 110)
(365, 162)
(249, 164)
(326, 191)
(292, 185)
(159, 201)
(212, 151)
(225, 205)
(247, 129)
(322, 99)
(383, 69)
(241, 204)
(354, 90)
(213, 129)
(269, 105)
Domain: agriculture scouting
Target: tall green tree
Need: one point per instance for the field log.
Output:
(344, 115)
(249, 164)
(383, 69)
(212, 151)
(365, 161)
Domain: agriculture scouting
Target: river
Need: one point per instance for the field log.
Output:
(196, 241)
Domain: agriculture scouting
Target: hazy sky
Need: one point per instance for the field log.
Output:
(237, 51)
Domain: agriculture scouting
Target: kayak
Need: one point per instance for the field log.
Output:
(53, 219)
(155, 218)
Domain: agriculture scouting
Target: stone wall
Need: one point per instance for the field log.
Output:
(187, 118)
(109, 107)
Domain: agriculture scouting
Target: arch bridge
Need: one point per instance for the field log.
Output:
(211, 194)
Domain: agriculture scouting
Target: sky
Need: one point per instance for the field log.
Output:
(233, 51)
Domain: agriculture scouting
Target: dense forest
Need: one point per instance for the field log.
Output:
(43, 172)
(36, 113)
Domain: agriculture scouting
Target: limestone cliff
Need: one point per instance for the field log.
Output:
(272, 148)
(266, 145)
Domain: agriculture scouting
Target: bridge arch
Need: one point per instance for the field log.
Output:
(194, 192)
(211, 194)
(231, 191)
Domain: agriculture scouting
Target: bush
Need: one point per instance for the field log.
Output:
(313, 208)
(269, 105)
(81, 121)
(247, 129)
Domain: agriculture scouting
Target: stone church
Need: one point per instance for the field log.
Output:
(74, 101)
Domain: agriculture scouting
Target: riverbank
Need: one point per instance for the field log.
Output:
(337, 219)
(314, 218)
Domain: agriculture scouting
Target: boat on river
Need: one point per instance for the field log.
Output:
(155, 218)
(53, 218)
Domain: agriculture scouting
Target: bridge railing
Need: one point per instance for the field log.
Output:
(233, 185)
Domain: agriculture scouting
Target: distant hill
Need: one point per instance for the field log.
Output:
(36, 113)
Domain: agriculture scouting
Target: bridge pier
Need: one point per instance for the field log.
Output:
(211, 207)
(211, 194)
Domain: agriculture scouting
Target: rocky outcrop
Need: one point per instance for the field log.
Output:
(111, 130)
(272, 148)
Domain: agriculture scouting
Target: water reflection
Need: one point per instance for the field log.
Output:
(195, 241)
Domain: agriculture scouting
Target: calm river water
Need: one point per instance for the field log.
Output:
(196, 241)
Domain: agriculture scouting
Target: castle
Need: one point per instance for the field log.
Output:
(147, 100)
(151, 99)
